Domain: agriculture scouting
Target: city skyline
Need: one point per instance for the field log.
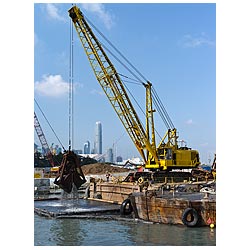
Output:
(109, 154)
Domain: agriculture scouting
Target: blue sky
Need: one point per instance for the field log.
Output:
(172, 45)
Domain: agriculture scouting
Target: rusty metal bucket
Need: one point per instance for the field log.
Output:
(70, 173)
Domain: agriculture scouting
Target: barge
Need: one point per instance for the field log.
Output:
(157, 205)
(190, 209)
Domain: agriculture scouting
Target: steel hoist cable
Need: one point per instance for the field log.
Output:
(156, 99)
(49, 125)
(70, 97)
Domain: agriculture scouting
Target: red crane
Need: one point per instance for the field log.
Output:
(43, 140)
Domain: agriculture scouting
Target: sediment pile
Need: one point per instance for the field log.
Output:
(102, 168)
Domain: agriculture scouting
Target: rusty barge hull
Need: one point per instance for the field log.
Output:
(157, 206)
(169, 210)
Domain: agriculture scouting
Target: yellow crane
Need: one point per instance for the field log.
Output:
(167, 155)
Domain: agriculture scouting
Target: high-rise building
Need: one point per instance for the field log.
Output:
(98, 138)
(119, 159)
(86, 147)
(110, 156)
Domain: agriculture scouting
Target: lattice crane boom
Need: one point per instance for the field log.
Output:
(43, 140)
(111, 83)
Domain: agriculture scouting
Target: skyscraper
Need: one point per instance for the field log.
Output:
(98, 138)
(86, 147)
(110, 156)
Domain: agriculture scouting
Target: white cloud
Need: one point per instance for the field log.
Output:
(99, 10)
(52, 86)
(96, 92)
(53, 12)
(189, 122)
(191, 41)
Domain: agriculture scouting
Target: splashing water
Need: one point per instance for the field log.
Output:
(70, 201)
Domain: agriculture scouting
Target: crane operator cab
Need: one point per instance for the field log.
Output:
(70, 172)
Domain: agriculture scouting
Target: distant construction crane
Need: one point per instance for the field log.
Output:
(43, 140)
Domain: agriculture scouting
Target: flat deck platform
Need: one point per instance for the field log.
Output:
(74, 208)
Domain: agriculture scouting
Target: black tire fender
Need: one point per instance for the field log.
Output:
(126, 207)
(192, 214)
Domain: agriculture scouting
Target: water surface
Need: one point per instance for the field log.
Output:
(103, 232)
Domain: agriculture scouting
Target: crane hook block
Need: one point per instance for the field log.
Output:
(70, 172)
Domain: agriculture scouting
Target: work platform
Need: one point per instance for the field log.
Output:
(58, 208)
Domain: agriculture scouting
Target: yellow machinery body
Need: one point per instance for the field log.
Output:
(170, 159)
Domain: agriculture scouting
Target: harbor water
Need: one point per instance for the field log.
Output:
(112, 232)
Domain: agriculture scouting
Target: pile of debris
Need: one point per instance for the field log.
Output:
(209, 187)
(102, 168)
